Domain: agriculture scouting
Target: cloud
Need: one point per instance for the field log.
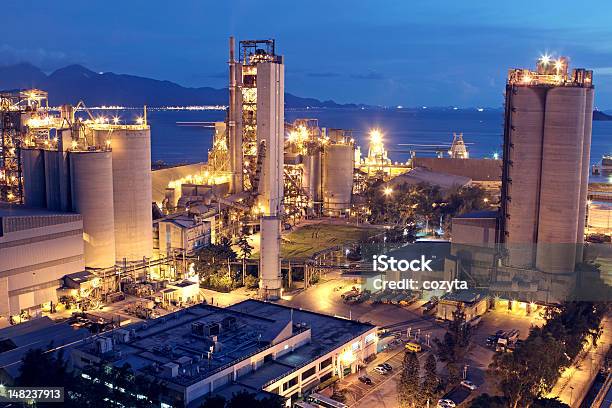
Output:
(41, 57)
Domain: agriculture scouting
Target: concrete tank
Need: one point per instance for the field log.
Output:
(526, 136)
(57, 183)
(91, 176)
(337, 180)
(132, 194)
(584, 177)
(311, 179)
(561, 179)
(34, 191)
(270, 280)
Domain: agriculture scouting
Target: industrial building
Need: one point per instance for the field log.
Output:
(251, 346)
(531, 247)
(547, 139)
(183, 232)
(37, 248)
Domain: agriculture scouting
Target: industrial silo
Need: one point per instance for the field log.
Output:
(527, 108)
(91, 176)
(34, 191)
(57, 183)
(132, 192)
(338, 169)
(584, 180)
(311, 179)
(561, 179)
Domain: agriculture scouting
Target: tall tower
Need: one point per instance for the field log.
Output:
(547, 137)
(256, 134)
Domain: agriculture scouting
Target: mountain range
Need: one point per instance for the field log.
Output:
(74, 83)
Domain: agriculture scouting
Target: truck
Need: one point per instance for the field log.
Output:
(507, 339)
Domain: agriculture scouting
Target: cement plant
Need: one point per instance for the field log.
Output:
(249, 274)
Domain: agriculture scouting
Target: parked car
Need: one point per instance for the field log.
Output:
(381, 370)
(387, 366)
(469, 385)
(365, 379)
(446, 403)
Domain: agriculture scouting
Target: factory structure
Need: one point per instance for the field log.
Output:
(529, 249)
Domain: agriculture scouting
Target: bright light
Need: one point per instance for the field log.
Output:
(496, 156)
(486, 200)
(527, 79)
(139, 120)
(347, 357)
(375, 136)
(388, 191)
(292, 136)
(559, 65)
(116, 120)
(545, 59)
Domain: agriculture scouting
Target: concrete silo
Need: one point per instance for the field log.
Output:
(560, 179)
(584, 180)
(337, 180)
(311, 179)
(34, 191)
(547, 139)
(91, 176)
(525, 156)
(132, 193)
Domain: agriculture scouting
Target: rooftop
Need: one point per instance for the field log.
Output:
(423, 175)
(187, 337)
(464, 296)
(480, 214)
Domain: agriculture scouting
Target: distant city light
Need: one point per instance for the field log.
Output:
(116, 120)
(545, 59)
(139, 120)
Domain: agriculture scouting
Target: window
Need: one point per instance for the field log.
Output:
(290, 383)
(325, 363)
(309, 373)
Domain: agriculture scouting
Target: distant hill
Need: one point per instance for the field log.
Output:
(599, 115)
(75, 82)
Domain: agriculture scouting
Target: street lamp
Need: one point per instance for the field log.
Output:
(387, 191)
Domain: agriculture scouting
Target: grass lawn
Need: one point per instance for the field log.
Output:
(309, 239)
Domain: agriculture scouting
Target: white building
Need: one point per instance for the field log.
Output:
(37, 248)
(253, 346)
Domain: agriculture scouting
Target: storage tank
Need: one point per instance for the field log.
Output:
(34, 190)
(57, 183)
(584, 178)
(525, 154)
(270, 280)
(132, 192)
(311, 179)
(91, 176)
(338, 169)
(561, 179)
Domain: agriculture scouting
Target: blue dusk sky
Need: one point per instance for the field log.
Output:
(410, 53)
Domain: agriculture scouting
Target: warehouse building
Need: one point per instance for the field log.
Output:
(252, 346)
(37, 248)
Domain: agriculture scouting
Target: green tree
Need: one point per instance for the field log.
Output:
(408, 385)
(432, 380)
(213, 401)
(454, 346)
(488, 401)
(246, 249)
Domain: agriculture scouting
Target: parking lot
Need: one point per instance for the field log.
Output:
(383, 391)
